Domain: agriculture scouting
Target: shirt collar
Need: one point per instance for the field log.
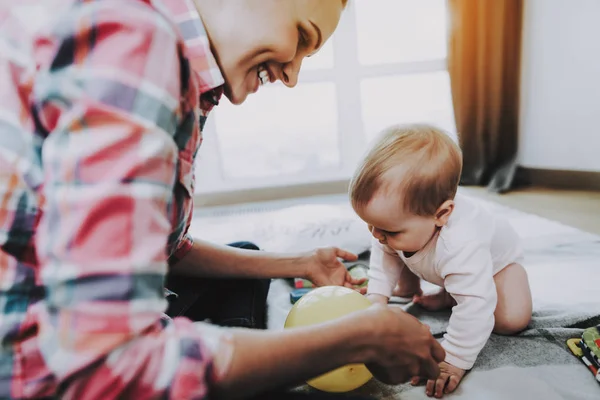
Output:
(191, 27)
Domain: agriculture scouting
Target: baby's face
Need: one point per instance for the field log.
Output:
(392, 225)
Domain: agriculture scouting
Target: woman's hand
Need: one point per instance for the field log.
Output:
(324, 268)
(401, 346)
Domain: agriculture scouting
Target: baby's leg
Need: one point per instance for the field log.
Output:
(408, 285)
(513, 311)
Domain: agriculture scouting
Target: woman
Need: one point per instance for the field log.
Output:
(101, 110)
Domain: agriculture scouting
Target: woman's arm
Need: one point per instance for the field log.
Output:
(321, 266)
(394, 345)
(211, 260)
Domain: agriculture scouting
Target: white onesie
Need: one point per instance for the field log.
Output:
(463, 258)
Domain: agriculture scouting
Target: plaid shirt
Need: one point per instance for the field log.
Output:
(101, 109)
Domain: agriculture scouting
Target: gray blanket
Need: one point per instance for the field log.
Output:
(564, 271)
(533, 365)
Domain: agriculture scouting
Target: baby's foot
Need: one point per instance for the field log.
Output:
(434, 302)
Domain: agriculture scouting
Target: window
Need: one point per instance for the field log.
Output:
(300, 138)
(400, 31)
(400, 98)
(385, 64)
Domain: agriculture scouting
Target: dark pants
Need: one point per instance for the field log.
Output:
(225, 302)
(235, 303)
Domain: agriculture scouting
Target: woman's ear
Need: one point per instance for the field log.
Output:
(443, 213)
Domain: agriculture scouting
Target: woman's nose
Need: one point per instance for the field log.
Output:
(289, 73)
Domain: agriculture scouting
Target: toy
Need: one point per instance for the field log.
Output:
(301, 283)
(296, 294)
(321, 305)
(357, 270)
(574, 345)
(587, 349)
(360, 271)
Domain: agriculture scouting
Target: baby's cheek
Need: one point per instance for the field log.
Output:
(394, 243)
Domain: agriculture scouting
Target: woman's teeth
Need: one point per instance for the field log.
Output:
(263, 74)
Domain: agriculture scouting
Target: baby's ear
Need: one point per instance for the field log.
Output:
(443, 213)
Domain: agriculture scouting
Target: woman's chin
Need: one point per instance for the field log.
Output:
(236, 97)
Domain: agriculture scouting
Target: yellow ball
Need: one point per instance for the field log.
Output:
(321, 305)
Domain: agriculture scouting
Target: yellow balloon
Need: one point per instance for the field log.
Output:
(321, 305)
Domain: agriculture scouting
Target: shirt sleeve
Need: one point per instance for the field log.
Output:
(468, 278)
(385, 267)
(183, 247)
(108, 93)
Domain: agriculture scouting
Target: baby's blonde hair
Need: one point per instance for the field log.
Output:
(432, 162)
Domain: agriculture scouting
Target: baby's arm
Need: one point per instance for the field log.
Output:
(468, 277)
(384, 272)
(378, 298)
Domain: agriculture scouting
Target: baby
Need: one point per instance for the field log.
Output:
(406, 191)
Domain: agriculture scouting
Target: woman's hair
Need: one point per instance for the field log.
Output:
(429, 158)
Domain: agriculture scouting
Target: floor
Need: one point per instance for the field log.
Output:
(580, 209)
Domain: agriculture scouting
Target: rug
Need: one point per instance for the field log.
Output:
(563, 264)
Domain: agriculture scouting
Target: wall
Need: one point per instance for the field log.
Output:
(560, 100)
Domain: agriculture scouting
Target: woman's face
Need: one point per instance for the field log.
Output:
(260, 41)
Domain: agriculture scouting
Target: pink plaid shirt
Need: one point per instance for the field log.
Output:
(101, 109)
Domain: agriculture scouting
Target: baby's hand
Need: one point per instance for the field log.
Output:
(447, 382)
